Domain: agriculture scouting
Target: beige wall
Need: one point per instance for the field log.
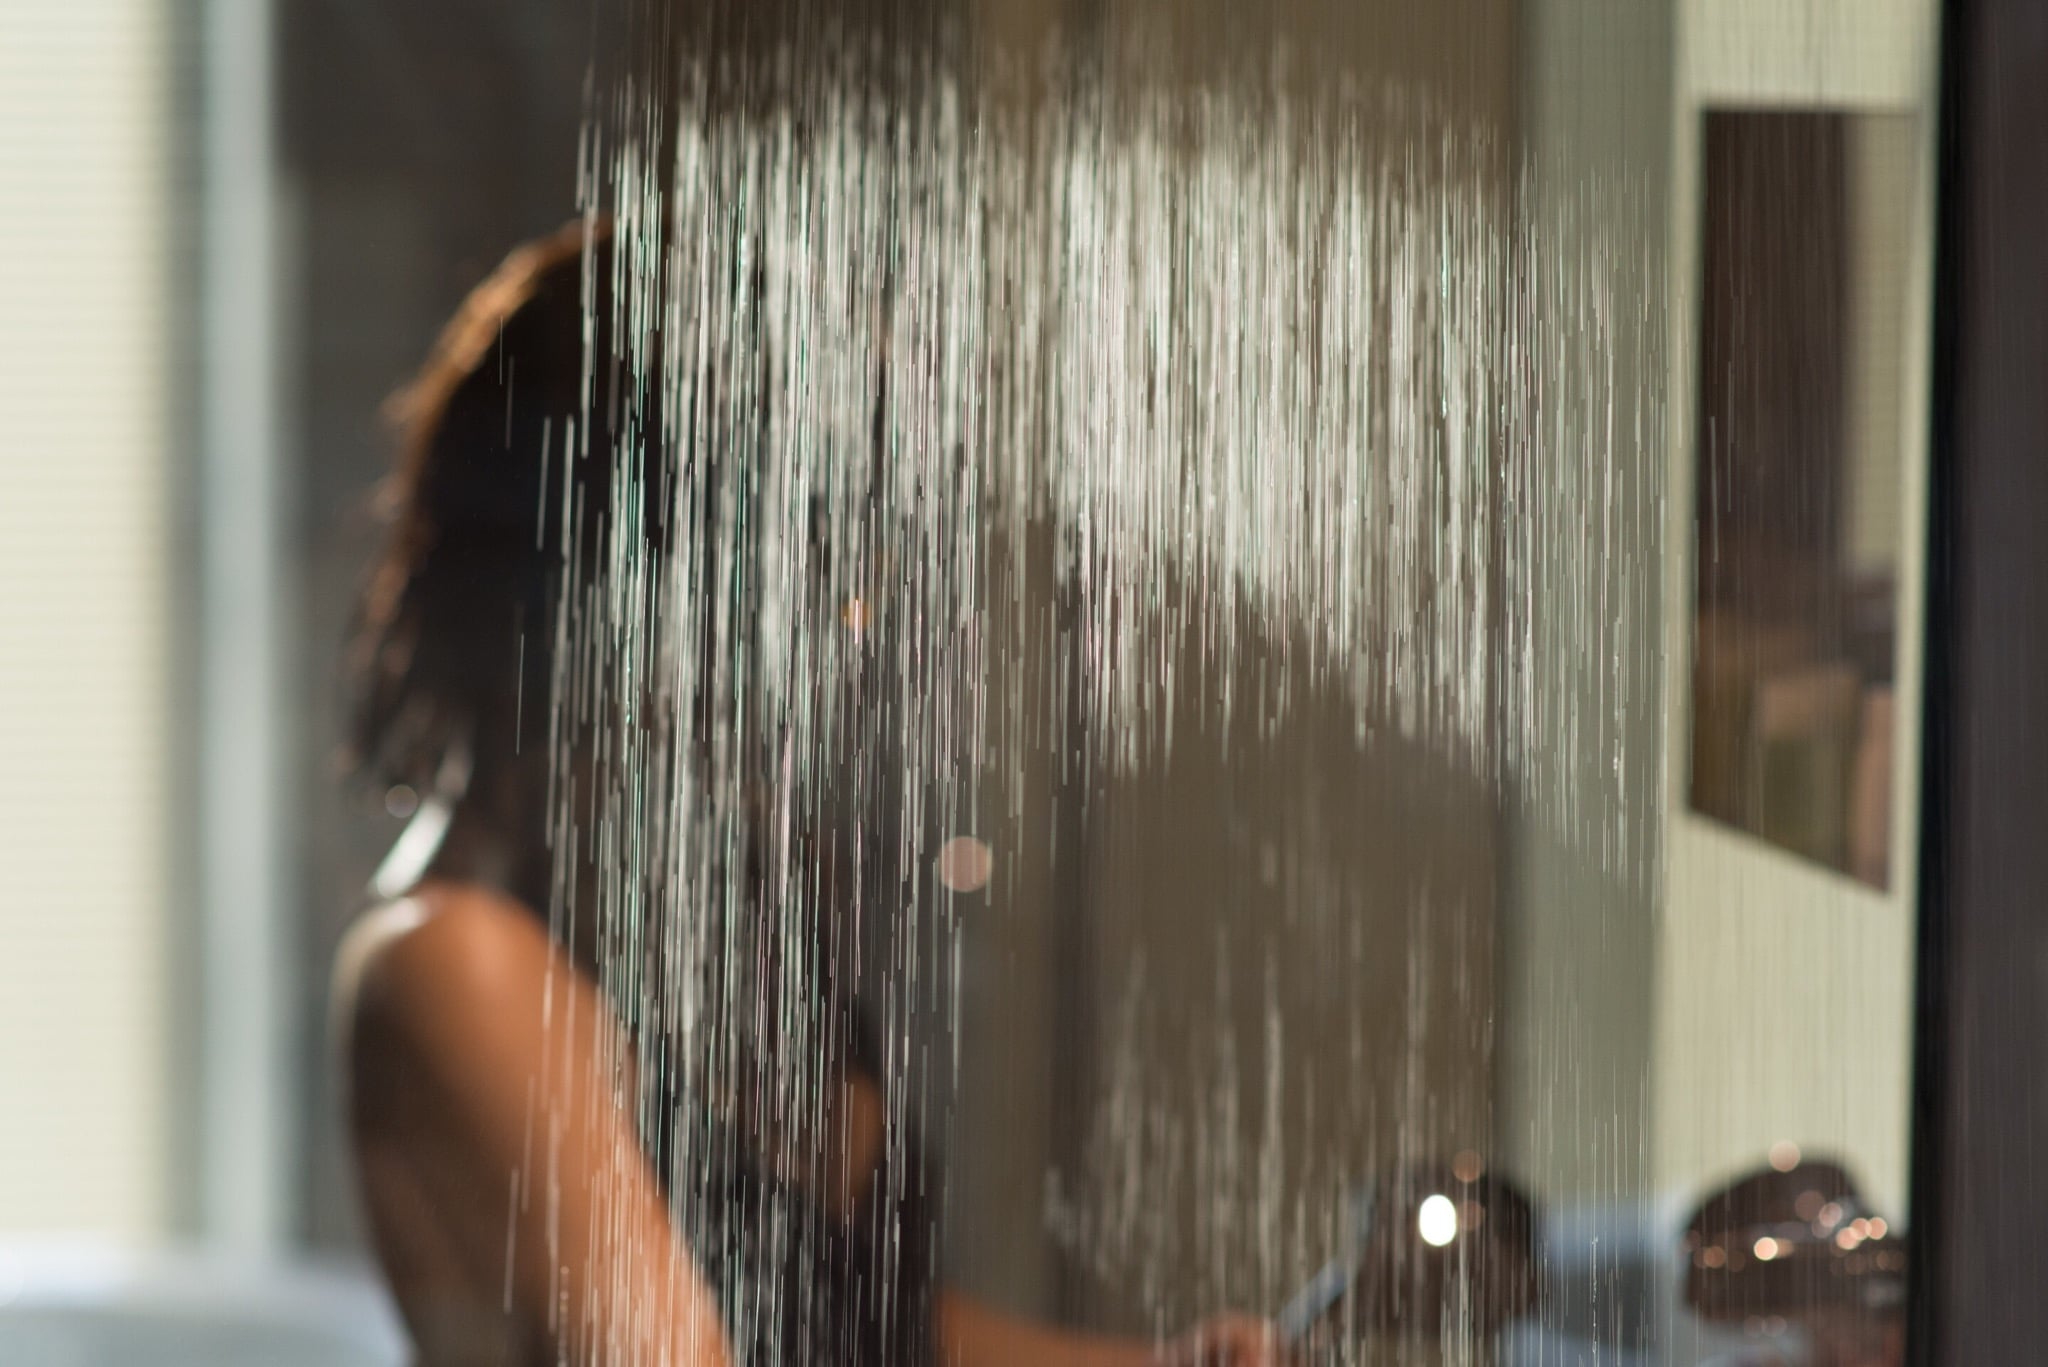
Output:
(85, 601)
(1785, 993)
(1677, 1005)
(1883, 167)
(1784, 1014)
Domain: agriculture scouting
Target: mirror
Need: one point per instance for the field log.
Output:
(1805, 225)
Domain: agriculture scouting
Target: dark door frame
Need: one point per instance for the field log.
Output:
(1980, 1180)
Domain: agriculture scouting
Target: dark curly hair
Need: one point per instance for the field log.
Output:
(511, 438)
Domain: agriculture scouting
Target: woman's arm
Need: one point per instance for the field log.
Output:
(507, 1190)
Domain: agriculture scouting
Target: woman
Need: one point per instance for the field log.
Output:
(520, 1210)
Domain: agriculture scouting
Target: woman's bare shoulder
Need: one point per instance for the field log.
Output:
(444, 944)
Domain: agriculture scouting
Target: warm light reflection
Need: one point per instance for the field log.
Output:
(965, 864)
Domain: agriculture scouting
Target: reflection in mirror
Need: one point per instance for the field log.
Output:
(1804, 224)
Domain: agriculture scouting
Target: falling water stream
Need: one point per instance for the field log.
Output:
(1048, 479)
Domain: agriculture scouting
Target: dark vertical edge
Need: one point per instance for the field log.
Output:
(1926, 1230)
(1981, 1088)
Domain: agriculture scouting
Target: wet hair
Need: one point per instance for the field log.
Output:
(450, 634)
(508, 439)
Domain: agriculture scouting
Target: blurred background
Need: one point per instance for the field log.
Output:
(238, 230)
(1677, 952)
